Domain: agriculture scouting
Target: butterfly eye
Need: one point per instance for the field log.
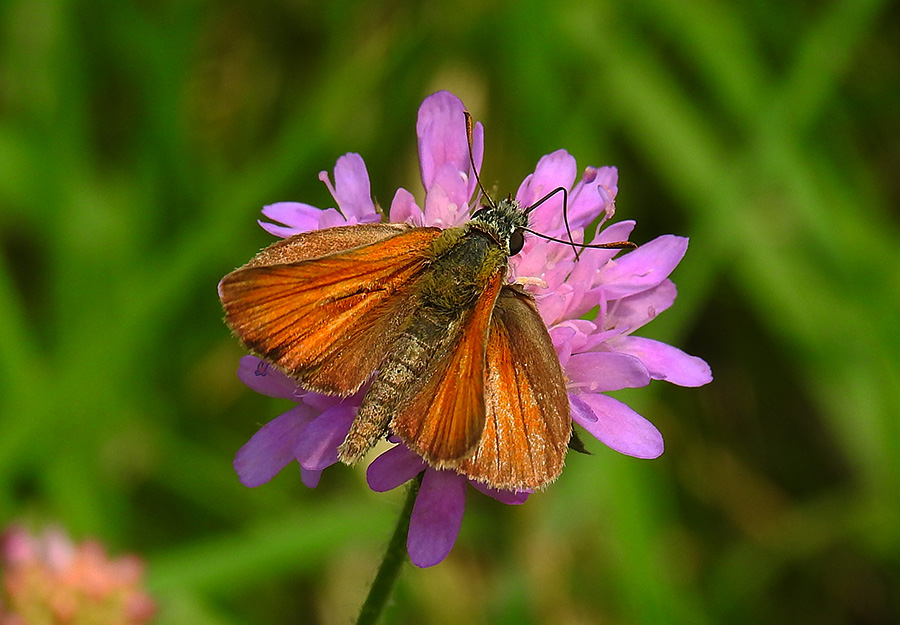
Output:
(516, 241)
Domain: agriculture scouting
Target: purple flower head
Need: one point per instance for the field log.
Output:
(597, 356)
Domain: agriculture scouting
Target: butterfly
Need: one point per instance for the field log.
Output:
(460, 365)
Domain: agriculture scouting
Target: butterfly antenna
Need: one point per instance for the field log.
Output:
(469, 134)
(617, 245)
(566, 221)
(565, 193)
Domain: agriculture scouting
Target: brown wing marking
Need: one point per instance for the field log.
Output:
(445, 418)
(528, 422)
(328, 321)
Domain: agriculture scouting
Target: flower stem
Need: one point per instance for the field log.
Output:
(394, 558)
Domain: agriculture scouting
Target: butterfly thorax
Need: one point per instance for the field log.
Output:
(467, 258)
(464, 261)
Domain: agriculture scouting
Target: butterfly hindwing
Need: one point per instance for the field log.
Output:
(528, 424)
(444, 419)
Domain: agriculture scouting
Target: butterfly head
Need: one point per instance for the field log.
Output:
(503, 221)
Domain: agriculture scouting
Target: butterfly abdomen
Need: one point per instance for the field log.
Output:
(401, 372)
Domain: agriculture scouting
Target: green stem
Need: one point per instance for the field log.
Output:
(394, 558)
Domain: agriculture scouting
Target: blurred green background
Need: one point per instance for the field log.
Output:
(138, 141)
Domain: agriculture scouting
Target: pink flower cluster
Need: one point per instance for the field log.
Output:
(48, 579)
(597, 356)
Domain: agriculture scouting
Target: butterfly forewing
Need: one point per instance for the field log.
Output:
(328, 321)
(528, 424)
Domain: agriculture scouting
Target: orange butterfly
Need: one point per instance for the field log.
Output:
(465, 372)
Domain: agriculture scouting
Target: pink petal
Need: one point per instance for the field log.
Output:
(297, 216)
(570, 336)
(310, 478)
(282, 232)
(436, 517)
(352, 190)
(597, 372)
(579, 327)
(267, 380)
(592, 260)
(553, 305)
(619, 231)
(593, 196)
(569, 294)
(608, 177)
(317, 449)
(642, 268)
(18, 547)
(632, 312)
(324, 402)
(272, 447)
(510, 498)
(539, 257)
(666, 362)
(447, 200)
(616, 425)
(441, 129)
(598, 340)
(560, 260)
(404, 209)
(587, 269)
(554, 170)
(394, 467)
